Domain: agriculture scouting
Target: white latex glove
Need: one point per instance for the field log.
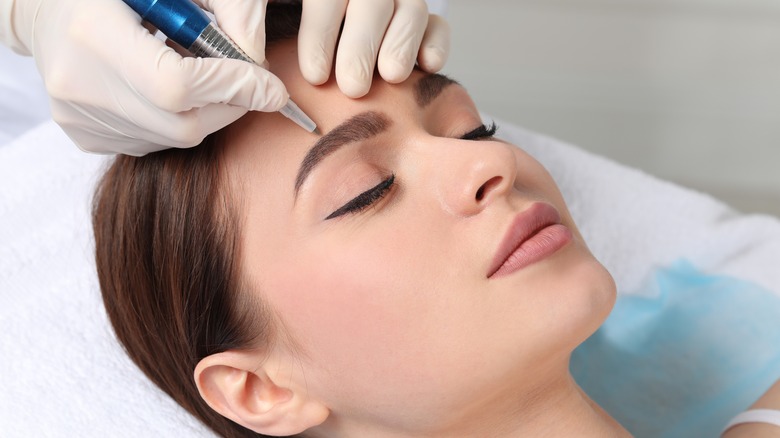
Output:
(398, 32)
(114, 87)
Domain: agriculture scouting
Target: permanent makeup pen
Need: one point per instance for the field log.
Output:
(186, 24)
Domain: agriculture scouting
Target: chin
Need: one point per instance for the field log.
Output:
(595, 295)
(583, 295)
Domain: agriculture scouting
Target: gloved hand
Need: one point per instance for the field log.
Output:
(398, 32)
(114, 87)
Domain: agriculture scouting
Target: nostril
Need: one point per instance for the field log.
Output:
(487, 186)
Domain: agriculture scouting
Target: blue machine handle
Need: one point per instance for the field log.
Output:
(180, 20)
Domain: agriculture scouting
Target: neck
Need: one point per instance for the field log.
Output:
(559, 408)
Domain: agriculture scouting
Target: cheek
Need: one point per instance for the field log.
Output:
(380, 299)
(341, 298)
(533, 178)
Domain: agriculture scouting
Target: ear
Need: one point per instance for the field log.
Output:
(238, 386)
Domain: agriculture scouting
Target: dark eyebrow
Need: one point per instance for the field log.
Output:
(359, 127)
(429, 87)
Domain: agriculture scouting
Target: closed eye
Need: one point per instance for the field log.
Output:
(365, 199)
(370, 196)
(481, 132)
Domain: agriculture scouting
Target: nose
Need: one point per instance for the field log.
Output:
(470, 175)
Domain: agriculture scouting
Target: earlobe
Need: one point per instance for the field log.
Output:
(237, 385)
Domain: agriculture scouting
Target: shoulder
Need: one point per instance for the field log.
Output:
(770, 400)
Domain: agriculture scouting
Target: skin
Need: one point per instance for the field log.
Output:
(770, 400)
(390, 324)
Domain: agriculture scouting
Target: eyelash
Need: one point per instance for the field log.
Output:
(367, 198)
(481, 132)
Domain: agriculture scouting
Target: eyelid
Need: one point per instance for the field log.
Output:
(365, 199)
(376, 193)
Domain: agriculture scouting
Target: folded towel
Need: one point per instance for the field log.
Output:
(20, 82)
(65, 375)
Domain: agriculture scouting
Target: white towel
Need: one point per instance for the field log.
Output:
(64, 375)
(23, 99)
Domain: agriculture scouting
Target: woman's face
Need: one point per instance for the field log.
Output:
(378, 264)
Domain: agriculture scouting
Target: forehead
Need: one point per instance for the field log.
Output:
(259, 137)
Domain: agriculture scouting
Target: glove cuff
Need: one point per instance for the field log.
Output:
(16, 24)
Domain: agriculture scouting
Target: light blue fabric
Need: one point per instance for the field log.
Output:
(683, 362)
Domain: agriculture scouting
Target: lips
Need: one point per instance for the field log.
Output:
(533, 235)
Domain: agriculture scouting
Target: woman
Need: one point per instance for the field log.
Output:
(405, 274)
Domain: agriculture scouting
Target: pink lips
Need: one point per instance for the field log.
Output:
(534, 234)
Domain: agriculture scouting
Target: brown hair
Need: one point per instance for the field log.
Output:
(167, 231)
